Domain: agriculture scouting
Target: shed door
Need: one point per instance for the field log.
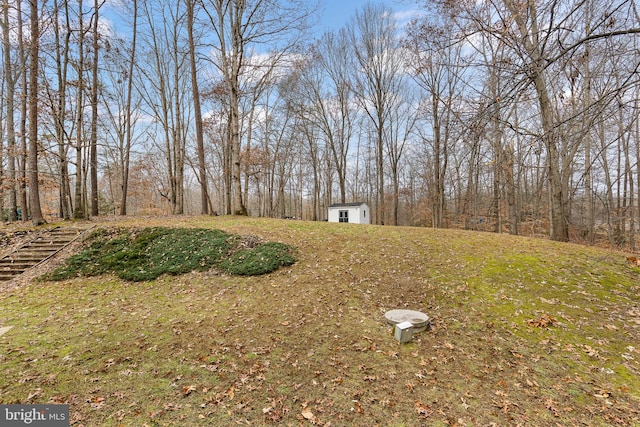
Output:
(343, 216)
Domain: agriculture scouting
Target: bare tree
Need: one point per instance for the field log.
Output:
(436, 61)
(58, 101)
(126, 156)
(202, 170)
(540, 38)
(320, 93)
(22, 158)
(536, 31)
(93, 147)
(635, 223)
(163, 85)
(3, 184)
(375, 46)
(80, 194)
(34, 187)
(334, 112)
(238, 27)
(401, 127)
(10, 108)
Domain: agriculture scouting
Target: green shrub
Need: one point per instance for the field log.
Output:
(145, 254)
(262, 259)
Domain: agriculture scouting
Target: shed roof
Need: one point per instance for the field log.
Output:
(346, 205)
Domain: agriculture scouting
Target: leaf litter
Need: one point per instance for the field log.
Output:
(307, 345)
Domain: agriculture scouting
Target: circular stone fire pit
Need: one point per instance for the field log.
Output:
(420, 321)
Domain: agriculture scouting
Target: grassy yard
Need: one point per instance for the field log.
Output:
(525, 332)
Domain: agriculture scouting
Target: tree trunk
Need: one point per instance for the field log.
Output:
(496, 143)
(558, 217)
(228, 202)
(62, 63)
(11, 133)
(249, 154)
(589, 211)
(609, 202)
(202, 170)
(380, 167)
(629, 195)
(22, 159)
(178, 140)
(127, 112)
(80, 208)
(509, 158)
(34, 187)
(637, 138)
(438, 179)
(238, 205)
(93, 150)
(237, 58)
(471, 194)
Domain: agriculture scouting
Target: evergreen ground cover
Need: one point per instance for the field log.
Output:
(147, 253)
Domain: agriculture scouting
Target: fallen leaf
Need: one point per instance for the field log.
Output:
(423, 410)
(307, 414)
(505, 405)
(34, 394)
(551, 405)
(230, 393)
(544, 321)
(634, 260)
(97, 402)
(590, 350)
(186, 390)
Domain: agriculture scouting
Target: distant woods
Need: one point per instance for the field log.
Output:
(508, 116)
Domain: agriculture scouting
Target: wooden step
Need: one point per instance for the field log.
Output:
(8, 275)
(17, 265)
(37, 251)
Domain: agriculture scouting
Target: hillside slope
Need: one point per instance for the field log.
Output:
(525, 332)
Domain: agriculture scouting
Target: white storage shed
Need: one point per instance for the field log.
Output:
(355, 213)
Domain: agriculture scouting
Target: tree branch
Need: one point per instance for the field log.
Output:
(593, 37)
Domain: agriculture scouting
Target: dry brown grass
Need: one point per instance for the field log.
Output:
(307, 345)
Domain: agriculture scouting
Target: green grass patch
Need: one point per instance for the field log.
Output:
(145, 254)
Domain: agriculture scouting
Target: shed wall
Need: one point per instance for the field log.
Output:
(357, 214)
